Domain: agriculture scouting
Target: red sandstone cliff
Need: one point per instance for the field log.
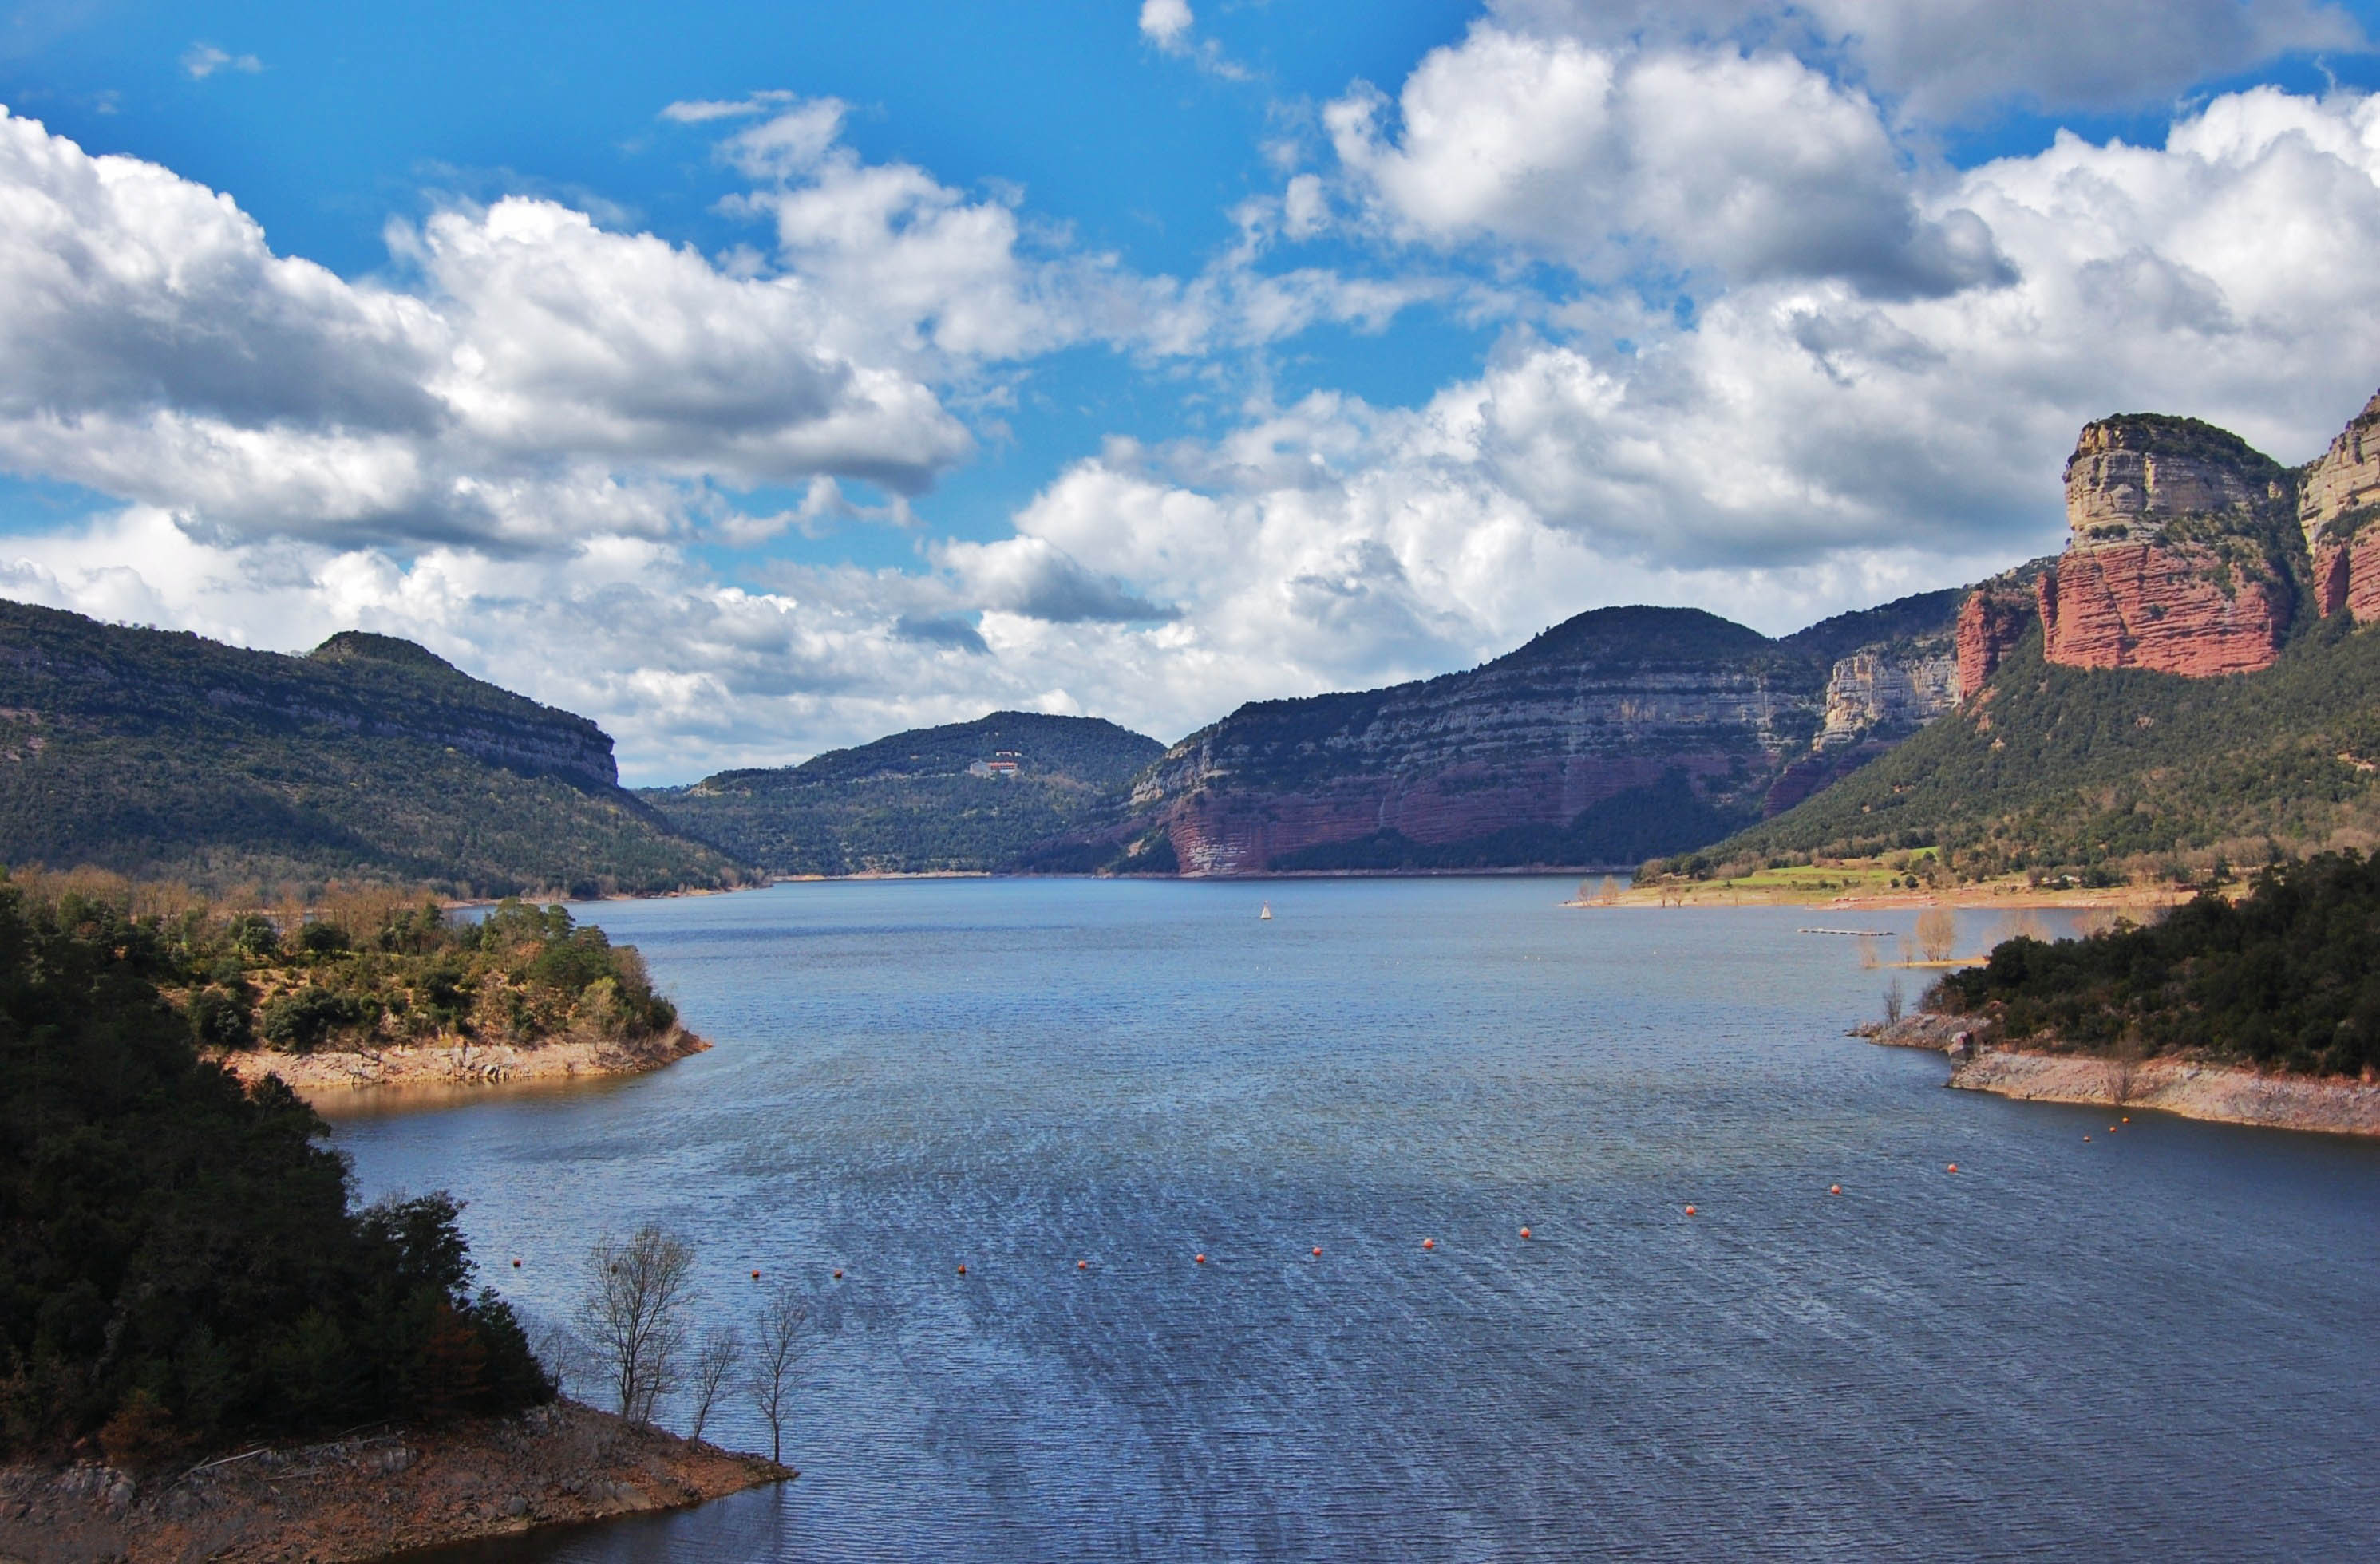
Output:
(2177, 563)
(1991, 621)
(2339, 497)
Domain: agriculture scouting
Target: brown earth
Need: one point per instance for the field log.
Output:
(455, 1060)
(367, 1498)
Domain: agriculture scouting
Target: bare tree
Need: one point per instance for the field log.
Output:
(715, 1360)
(1937, 933)
(1609, 895)
(635, 1314)
(1893, 1001)
(775, 1359)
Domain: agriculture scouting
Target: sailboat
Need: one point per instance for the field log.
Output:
(1266, 916)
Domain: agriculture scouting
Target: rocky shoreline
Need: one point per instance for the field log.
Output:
(2188, 1089)
(459, 1061)
(369, 1498)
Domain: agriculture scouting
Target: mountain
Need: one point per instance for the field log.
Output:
(168, 755)
(969, 796)
(1614, 735)
(2186, 680)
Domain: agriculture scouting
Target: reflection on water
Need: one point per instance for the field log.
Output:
(2153, 1345)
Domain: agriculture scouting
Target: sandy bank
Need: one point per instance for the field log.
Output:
(457, 1062)
(369, 1498)
(2190, 1090)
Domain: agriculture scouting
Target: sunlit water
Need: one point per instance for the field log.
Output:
(2157, 1344)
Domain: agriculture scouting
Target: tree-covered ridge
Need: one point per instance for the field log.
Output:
(906, 804)
(376, 970)
(2289, 976)
(2113, 773)
(179, 1264)
(170, 757)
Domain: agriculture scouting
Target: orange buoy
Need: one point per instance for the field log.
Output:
(1834, 1189)
(1954, 1166)
(2128, 1118)
(755, 1276)
(1429, 1243)
(1082, 1265)
(838, 1276)
(516, 1264)
(1317, 1251)
(2086, 1139)
(1690, 1210)
(1525, 1232)
(962, 1270)
(1202, 1259)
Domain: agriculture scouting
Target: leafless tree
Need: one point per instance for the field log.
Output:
(1609, 894)
(1937, 933)
(1893, 1001)
(776, 1356)
(715, 1360)
(634, 1316)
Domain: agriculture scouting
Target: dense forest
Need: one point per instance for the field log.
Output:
(180, 1263)
(2111, 774)
(2289, 976)
(907, 803)
(167, 756)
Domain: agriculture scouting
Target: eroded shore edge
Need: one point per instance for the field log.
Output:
(457, 1062)
(370, 1497)
(2228, 1094)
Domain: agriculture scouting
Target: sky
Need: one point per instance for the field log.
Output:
(760, 379)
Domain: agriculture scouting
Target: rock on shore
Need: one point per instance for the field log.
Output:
(2225, 1094)
(360, 1498)
(459, 1061)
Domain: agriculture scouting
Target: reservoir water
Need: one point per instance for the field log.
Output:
(2156, 1344)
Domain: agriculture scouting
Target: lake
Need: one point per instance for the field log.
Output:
(2156, 1344)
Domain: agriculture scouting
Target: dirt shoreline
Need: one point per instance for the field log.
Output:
(2226, 1094)
(459, 1061)
(369, 1498)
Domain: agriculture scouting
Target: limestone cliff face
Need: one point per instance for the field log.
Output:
(2337, 500)
(1875, 689)
(2178, 561)
(1626, 709)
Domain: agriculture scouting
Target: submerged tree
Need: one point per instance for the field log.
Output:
(634, 1316)
(775, 1358)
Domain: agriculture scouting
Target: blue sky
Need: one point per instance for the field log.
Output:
(762, 379)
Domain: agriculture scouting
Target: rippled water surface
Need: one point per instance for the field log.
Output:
(2157, 1344)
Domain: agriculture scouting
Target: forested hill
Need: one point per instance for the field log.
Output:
(165, 754)
(910, 803)
(2109, 773)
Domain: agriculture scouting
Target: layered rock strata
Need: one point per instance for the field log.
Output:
(2176, 563)
(1617, 708)
(2337, 502)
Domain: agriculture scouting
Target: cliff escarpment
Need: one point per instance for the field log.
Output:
(2185, 557)
(1618, 735)
(167, 755)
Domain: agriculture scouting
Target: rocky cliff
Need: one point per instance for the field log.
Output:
(2180, 559)
(1992, 619)
(1620, 733)
(2339, 496)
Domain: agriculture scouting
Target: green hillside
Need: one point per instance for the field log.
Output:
(908, 804)
(2104, 774)
(168, 755)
